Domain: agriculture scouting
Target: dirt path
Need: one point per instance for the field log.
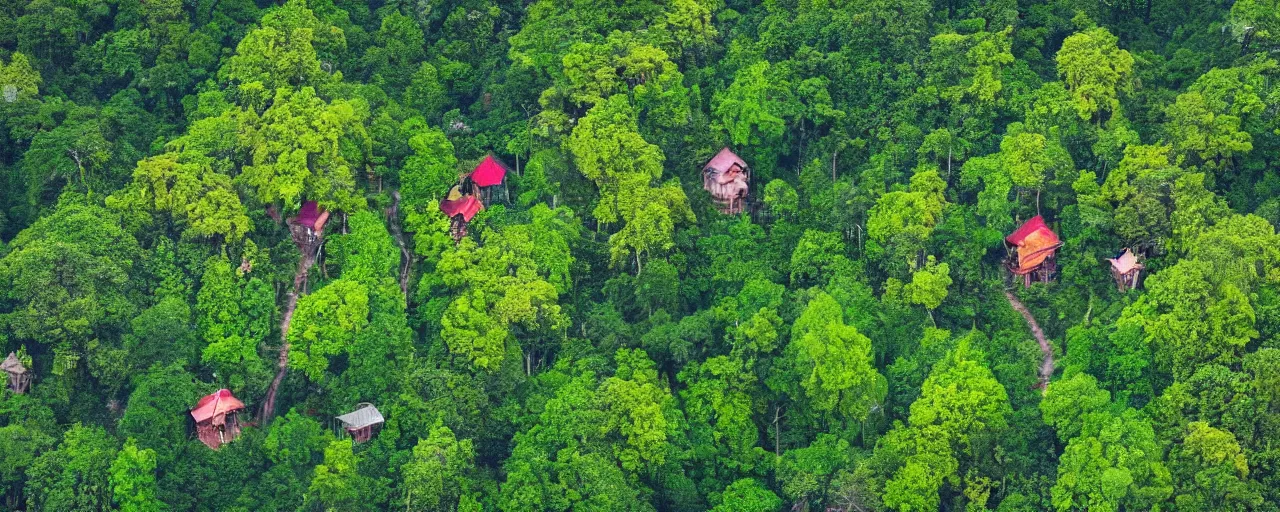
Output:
(1046, 368)
(406, 257)
(305, 263)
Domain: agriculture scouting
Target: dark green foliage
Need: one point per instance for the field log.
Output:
(603, 338)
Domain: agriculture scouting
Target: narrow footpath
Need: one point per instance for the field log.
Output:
(305, 262)
(1046, 367)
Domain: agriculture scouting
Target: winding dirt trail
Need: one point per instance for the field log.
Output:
(397, 233)
(305, 262)
(1046, 368)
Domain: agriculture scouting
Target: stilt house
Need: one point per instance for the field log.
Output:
(1031, 251)
(488, 175)
(460, 205)
(216, 418)
(307, 227)
(19, 377)
(1126, 269)
(362, 423)
(728, 179)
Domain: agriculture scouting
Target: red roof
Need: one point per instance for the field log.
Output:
(489, 172)
(1032, 225)
(468, 207)
(217, 404)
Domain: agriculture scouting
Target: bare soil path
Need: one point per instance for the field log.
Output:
(1046, 367)
(305, 262)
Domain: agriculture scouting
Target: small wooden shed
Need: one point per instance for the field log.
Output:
(19, 377)
(1032, 249)
(1126, 270)
(460, 205)
(728, 179)
(362, 423)
(216, 418)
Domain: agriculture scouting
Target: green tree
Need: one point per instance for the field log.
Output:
(133, 479)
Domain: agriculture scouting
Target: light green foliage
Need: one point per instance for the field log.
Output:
(75, 477)
(1112, 460)
(833, 362)
(431, 169)
(1209, 120)
(1214, 471)
(748, 109)
(904, 220)
(1095, 70)
(633, 401)
(296, 150)
(326, 324)
(435, 477)
(609, 151)
(747, 495)
(18, 80)
(133, 479)
(928, 286)
(337, 484)
(286, 51)
(1256, 23)
(511, 281)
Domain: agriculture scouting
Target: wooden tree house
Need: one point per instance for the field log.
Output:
(362, 423)
(460, 205)
(307, 227)
(1031, 251)
(19, 377)
(728, 179)
(1126, 270)
(489, 174)
(216, 418)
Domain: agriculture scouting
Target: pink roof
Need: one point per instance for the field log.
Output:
(723, 161)
(1032, 225)
(219, 403)
(307, 215)
(1125, 263)
(489, 172)
(468, 207)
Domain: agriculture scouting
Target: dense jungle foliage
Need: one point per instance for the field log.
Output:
(603, 339)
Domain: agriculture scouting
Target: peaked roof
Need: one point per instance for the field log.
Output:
(1031, 226)
(489, 172)
(468, 206)
(362, 417)
(723, 161)
(1125, 263)
(219, 403)
(11, 364)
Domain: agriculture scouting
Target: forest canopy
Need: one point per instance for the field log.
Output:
(639, 255)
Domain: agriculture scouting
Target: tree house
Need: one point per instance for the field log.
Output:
(460, 205)
(362, 423)
(1031, 251)
(216, 418)
(1126, 270)
(19, 377)
(728, 179)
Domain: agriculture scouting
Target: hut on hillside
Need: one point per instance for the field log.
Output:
(460, 205)
(19, 377)
(307, 227)
(216, 418)
(728, 179)
(362, 423)
(1126, 270)
(1031, 251)
(489, 174)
